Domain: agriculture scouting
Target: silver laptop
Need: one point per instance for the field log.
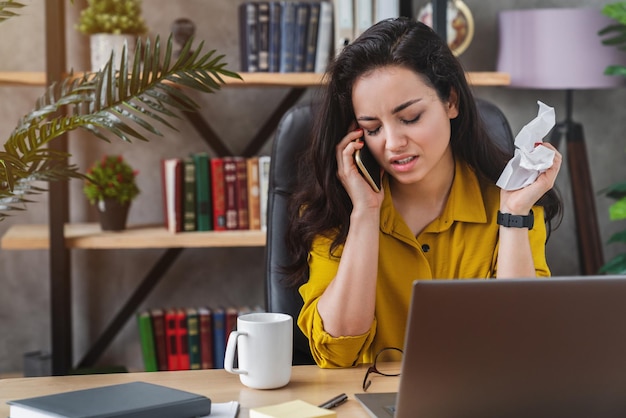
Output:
(512, 348)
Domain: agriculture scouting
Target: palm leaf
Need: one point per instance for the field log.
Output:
(5, 13)
(127, 103)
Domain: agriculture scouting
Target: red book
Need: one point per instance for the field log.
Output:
(231, 321)
(230, 192)
(217, 190)
(206, 338)
(172, 180)
(242, 194)
(171, 334)
(160, 341)
(182, 340)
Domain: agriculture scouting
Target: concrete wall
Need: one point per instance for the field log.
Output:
(102, 279)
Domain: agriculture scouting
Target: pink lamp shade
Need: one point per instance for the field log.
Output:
(557, 49)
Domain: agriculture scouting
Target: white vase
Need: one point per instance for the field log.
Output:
(102, 44)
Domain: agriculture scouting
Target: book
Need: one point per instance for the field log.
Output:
(363, 14)
(299, 47)
(384, 9)
(172, 176)
(263, 34)
(189, 195)
(205, 320)
(193, 338)
(248, 46)
(230, 192)
(126, 400)
(182, 339)
(171, 335)
(287, 36)
(242, 193)
(160, 339)
(254, 203)
(324, 37)
(203, 194)
(217, 194)
(291, 409)
(274, 36)
(344, 23)
(146, 336)
(311, 36)
(230, 323)
(219, 337)
(264, 181)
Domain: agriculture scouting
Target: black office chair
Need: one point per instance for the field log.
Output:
(289, 143)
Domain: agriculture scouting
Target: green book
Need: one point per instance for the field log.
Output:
(189, 195)
(146, 335)
(193, 335)
(203, 195)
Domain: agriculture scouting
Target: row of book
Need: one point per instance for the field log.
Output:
(301, 36)
(285, 36)
(186, 338)
(202, 193)
(353, 17)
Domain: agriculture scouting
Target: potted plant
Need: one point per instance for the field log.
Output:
(615, 35)
(124, 104)
(110, 185)
(111, 24)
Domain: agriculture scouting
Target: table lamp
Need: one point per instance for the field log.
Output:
(560, 49)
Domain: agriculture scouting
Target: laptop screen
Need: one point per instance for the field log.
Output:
(515, 348)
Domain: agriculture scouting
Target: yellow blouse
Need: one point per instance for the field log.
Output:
(461, 244)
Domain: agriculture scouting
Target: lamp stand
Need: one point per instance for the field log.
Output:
(588, 236)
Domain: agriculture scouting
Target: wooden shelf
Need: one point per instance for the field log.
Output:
(477, 78)
(22, 78)
(90, 236)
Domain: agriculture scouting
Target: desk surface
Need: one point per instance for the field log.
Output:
(308, 383)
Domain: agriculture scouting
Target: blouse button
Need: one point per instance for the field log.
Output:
(425, 248)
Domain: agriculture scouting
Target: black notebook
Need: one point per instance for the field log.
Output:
(135, 399)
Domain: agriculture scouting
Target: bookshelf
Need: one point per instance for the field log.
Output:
(90, 236)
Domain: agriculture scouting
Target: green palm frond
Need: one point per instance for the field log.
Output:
(5, 13)
(127, 103)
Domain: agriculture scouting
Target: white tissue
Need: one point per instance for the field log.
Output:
(529, 161)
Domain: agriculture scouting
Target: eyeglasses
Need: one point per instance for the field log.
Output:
(386, 363)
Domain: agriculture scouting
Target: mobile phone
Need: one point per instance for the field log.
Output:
(368, 167)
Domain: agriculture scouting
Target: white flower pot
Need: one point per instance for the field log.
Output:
(102, 44)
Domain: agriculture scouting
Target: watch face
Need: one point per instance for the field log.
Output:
(460, 24)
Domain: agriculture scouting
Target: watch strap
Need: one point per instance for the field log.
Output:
(516, 221)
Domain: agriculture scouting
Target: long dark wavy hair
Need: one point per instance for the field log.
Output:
(321, 205)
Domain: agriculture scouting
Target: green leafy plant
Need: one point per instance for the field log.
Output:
(145, 92)
(112, 16)
(615, 35)
(111, 178)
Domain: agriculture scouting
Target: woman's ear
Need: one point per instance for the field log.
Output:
(453, 104)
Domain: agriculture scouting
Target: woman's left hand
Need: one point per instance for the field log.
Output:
(521, 201)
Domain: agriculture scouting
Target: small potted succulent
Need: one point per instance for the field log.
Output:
(110, 185)
(110, 25)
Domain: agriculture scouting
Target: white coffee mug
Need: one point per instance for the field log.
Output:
(264, 344)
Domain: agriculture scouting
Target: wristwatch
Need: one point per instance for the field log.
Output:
(516, 221)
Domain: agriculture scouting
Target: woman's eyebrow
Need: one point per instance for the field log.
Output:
(395, 110)
(404, 106)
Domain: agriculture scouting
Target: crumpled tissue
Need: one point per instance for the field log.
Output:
(529, 160)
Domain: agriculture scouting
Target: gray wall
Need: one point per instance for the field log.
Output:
(102, 279)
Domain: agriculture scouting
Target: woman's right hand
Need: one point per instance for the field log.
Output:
(360, 192)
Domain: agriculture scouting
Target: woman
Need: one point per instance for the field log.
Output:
(399, 89)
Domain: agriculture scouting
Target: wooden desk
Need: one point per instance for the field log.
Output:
(309, 383)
